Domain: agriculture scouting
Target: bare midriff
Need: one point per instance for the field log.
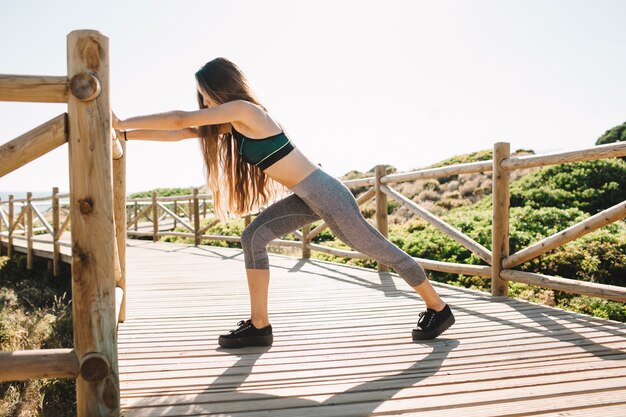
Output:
(291, 169)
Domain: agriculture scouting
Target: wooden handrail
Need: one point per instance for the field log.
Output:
(20, 365)
(34, 88)
(33, 144)
(610, 150)
(431, 173)
(593, 289)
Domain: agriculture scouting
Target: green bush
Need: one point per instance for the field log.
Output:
(616, 134)
(591, 186)
(163, 192)
(597, 257)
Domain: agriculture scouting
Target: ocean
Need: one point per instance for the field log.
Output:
(43, 206)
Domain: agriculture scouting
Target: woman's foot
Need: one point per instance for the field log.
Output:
(247, 335)
(432, 323)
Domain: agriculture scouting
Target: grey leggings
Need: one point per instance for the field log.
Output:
(321, 196)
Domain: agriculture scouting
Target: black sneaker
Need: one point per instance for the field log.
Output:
(432, 323)
(247, 335)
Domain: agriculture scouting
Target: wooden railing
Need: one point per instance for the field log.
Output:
(97, 217)
(380, 188)
(97, 195)
(31, 230)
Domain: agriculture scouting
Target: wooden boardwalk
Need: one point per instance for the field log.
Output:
(343, 347)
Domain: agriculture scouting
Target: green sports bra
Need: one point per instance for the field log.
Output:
(263, 152)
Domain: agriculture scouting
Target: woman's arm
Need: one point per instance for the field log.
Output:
(158, 135)
(233, 111)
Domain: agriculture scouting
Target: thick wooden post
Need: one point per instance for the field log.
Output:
(56, 226)
(381, 208)
(11, 228)
(119, 213)
(196, 217)
(29, 231)
(247, 220)
(93, 232)
(155, 217)
(500, 218)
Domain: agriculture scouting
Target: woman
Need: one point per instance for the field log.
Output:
(246, 153)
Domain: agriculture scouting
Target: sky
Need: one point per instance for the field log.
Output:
(355, 83)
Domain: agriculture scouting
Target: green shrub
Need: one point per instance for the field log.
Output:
(591, 186)
(163, 192)
(616, 134)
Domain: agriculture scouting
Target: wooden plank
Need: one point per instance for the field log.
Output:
(37, 364)
(457, 169)
(609, 150)
(34, 88)
(33, 144)
(608, 292)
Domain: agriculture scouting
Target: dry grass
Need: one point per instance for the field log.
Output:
(34, 314)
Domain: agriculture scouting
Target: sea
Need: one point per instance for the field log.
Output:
(43, 206)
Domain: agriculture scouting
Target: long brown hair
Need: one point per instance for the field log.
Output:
(238, 188)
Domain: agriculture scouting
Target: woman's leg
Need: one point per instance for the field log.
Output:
(281, 218)
(336, 205)
(258, 287)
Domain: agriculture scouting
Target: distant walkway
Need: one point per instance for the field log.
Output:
(343, 347)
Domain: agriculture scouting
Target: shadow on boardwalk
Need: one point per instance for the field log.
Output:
(358, 401)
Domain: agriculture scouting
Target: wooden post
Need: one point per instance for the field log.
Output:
(500, 218)
(119, 213)
(29, 231)
(175, 212)
(247, 220)
(196, 217)
(136, 213)
(93, 232)
(306, 252)
(204, 208)
(11, 219)
(56, 220)
(155, 217)
(381, 208)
